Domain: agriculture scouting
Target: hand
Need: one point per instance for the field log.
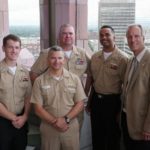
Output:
(19, 121)
(61, 125)
(146, 136)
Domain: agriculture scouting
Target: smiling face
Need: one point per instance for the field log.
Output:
(135, 39)
(56, 60)
(12, 49)
(107, 38)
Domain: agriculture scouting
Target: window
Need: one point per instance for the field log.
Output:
(24, 22)
(119, 14)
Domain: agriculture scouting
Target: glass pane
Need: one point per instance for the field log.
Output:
(24, 21)
(119, 14)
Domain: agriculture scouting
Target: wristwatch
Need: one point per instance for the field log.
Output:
(67, 119)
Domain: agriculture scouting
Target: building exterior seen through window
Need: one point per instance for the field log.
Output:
(24, 21)
(119, 14)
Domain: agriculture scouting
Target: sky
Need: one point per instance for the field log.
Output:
(23, 12)
(142, 11)
(26, 12)
(93, 12)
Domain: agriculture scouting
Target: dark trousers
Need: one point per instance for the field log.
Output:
(105, 125)
(12, 138)
(129, 143)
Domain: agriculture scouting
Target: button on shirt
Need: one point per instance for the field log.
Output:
(57, 96)
(108, 75)
(14, 88)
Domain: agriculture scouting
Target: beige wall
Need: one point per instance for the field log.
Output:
(4, 25)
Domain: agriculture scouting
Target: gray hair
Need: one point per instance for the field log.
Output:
(64, 26)
(135, 25)
(54, 48)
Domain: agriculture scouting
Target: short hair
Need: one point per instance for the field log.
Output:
(107, 26)
(135, 25)
(54, 48)
(11, 37)
(64, 26)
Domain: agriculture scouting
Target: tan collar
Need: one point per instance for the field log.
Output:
(64, 75)
(4, 66)
(75, 50)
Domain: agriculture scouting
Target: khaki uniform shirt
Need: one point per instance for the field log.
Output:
(77, 63)
(57, 96)
(14, 88)
(108, 75)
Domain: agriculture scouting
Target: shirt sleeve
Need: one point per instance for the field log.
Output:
(40, 65)
(29, 89)
(36, 96)
(79, 94)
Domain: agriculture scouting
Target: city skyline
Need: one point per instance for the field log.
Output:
(142, 13)
(23, 13)
(118, 15)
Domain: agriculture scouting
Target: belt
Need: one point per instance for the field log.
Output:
(100, 95)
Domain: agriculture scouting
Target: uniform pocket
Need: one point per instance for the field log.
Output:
(81, 67)
(70, 92)
(47, 93)
(112, 69)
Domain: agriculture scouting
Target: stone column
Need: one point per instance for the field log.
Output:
(73, 12)
(81, 24)
(44, 23)
(54, 13)
(4, 25)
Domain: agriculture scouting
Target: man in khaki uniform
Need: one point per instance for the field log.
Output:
(76, 59)
(15, 88)
(76, 63)
(107, 69)
(58, 98)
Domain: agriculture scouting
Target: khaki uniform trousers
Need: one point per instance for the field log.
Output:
(55, 140)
